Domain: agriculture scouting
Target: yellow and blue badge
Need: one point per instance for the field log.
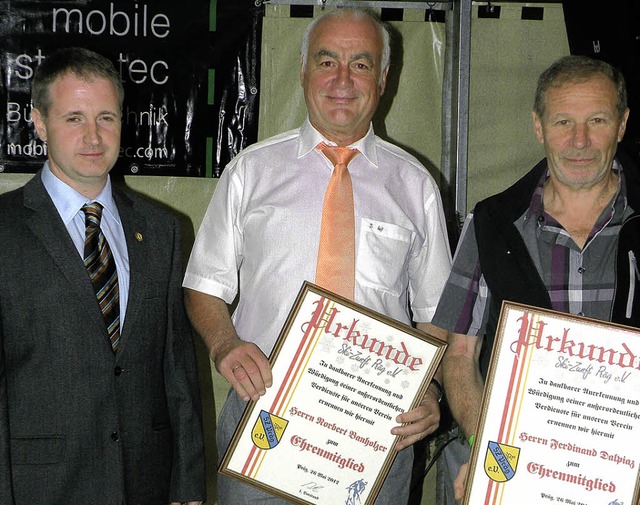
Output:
(268, 430)
(501, 461)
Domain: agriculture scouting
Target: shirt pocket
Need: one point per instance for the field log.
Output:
(383, 252)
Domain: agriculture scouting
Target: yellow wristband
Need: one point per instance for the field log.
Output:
(472, 439)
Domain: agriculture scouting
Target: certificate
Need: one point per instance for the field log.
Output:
(341, 375)
(561, 413)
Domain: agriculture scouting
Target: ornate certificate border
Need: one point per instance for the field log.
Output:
(561, 413)
(342, 374)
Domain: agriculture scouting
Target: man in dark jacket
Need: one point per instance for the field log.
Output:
(563, 237)
(99, 397)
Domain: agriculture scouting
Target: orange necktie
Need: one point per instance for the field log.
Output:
(337, 250)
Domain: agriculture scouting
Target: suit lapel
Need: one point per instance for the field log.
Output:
(45, 223)
(134, 225)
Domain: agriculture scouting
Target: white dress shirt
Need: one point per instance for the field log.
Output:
(263, 221)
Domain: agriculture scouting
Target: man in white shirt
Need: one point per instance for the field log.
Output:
(260, 236)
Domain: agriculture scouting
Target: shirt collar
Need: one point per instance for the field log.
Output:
(620, 203)
(310, 138)
(69, 202)
(536, 207)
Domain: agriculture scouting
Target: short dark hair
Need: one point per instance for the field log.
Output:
(569, 69)
(78, 61)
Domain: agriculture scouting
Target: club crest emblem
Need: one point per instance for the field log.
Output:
(501, 461)
(268, 430)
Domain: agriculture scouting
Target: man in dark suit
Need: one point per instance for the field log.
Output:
(99, 399)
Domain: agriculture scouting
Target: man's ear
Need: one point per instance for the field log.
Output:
(623, 125)
(537, 127)
(39, 124)
(383, 80)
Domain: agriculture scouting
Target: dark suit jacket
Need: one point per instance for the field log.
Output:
(78, 424)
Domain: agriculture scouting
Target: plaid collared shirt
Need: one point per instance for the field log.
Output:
(579, 281)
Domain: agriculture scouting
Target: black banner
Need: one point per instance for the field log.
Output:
(611, 33)
(190, 72)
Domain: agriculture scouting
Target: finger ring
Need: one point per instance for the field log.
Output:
(233, 369)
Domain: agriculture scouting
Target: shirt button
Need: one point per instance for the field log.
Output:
(117, 371)
(581, 270)
(114, 436)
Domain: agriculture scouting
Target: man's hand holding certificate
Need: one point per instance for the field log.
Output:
(342, 374)
(561, 413)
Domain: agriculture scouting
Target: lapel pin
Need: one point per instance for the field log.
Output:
(139, 236)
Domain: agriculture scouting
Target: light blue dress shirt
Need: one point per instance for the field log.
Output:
(69, 204)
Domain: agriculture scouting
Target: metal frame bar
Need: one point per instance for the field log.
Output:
(455, 141)
(376, 4)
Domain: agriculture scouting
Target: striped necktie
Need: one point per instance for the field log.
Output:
(101, 267)
(336, 266)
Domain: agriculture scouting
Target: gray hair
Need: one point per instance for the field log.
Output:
(77, 61)
(571, 69)
(356, 13)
